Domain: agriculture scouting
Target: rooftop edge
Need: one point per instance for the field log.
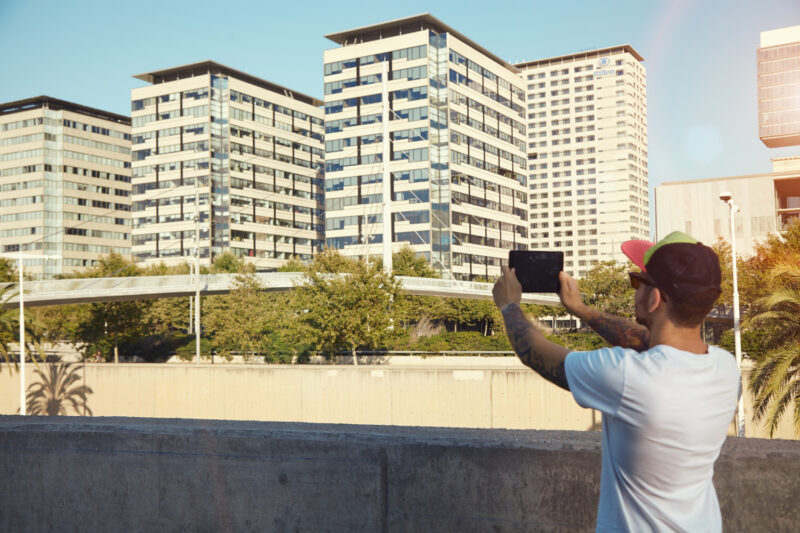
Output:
(580, 55)
(212, 67)
(405, 25)
(56, 104)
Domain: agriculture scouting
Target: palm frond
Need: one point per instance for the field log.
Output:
(788, 268)
(781, 399)
(782, 297)
(775, 382)
(797, 408)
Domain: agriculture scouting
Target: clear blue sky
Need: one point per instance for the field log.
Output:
(700, 55)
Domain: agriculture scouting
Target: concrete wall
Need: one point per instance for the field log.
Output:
(107, 474)
(455, 396)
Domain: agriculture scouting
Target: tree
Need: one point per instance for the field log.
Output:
(607, 287)
(412, 309)
(85, 324)
(470, 312)
(406, 262)
(330, 261)
(545, 312)
(723, 251)
(230, 263)
(775, 379)
(113, 265)
(348, 304)
(8, 274)
(9, 328)
(292, 265)
(111, 323)
(752, 275)
(61, 322)
(167, 317)
(239, 321)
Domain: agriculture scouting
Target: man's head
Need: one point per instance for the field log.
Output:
(685, 272)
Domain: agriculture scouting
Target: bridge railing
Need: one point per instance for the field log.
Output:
(70, 291)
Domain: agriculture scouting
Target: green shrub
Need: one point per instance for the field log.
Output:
(188, 351)
(579, 341)
(462, 341)
(753, 342)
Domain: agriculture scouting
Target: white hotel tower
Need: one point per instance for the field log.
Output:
(587, 154)
(425, 144)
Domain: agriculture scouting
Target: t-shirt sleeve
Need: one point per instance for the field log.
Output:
(597, 378)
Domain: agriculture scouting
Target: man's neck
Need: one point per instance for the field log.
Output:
(686, 339)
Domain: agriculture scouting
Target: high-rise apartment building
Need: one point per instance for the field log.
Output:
(779, 87)
(231, 157)
(65, 183)
(587, 154)
(425, 144)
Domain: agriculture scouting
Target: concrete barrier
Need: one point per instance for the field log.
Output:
(118, 474)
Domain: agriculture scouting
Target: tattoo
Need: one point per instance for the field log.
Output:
(620, 332)
(520, 332)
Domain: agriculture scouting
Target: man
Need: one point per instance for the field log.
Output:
(667, 398)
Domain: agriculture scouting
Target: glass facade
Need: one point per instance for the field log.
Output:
(53, 204)
(779, 95)
(220, 177)
(69, 197)
(256, 155)
(441, 231)
(436, 140)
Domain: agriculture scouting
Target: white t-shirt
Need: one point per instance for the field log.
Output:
(666, 414)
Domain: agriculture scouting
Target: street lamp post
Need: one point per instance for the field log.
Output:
(737, 337)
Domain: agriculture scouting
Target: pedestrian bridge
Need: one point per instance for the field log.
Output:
(72, 291)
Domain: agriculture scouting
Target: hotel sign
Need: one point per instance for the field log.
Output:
(603, 68)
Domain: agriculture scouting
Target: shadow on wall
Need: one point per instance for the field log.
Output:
(597, 421)
(58, 390)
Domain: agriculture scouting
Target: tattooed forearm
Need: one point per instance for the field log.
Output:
(619, 331)
(530, 345)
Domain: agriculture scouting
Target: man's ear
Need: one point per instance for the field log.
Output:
(654, 299)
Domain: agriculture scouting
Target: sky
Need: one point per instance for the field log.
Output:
(700, 55)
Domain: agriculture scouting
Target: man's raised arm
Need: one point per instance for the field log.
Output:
(615, 330)
(529, 343)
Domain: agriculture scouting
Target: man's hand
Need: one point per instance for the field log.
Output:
(570, 295)
(507, 289)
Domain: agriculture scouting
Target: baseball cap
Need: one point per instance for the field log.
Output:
(678, 264)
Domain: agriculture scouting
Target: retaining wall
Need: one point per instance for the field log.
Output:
(118, 474)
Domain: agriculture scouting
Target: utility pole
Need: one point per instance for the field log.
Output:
(20, 257)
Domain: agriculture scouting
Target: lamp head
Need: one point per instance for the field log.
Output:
(725, 196)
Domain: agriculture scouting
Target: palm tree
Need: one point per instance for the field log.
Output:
(775, 380)
(57, 390)
(9, 327)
